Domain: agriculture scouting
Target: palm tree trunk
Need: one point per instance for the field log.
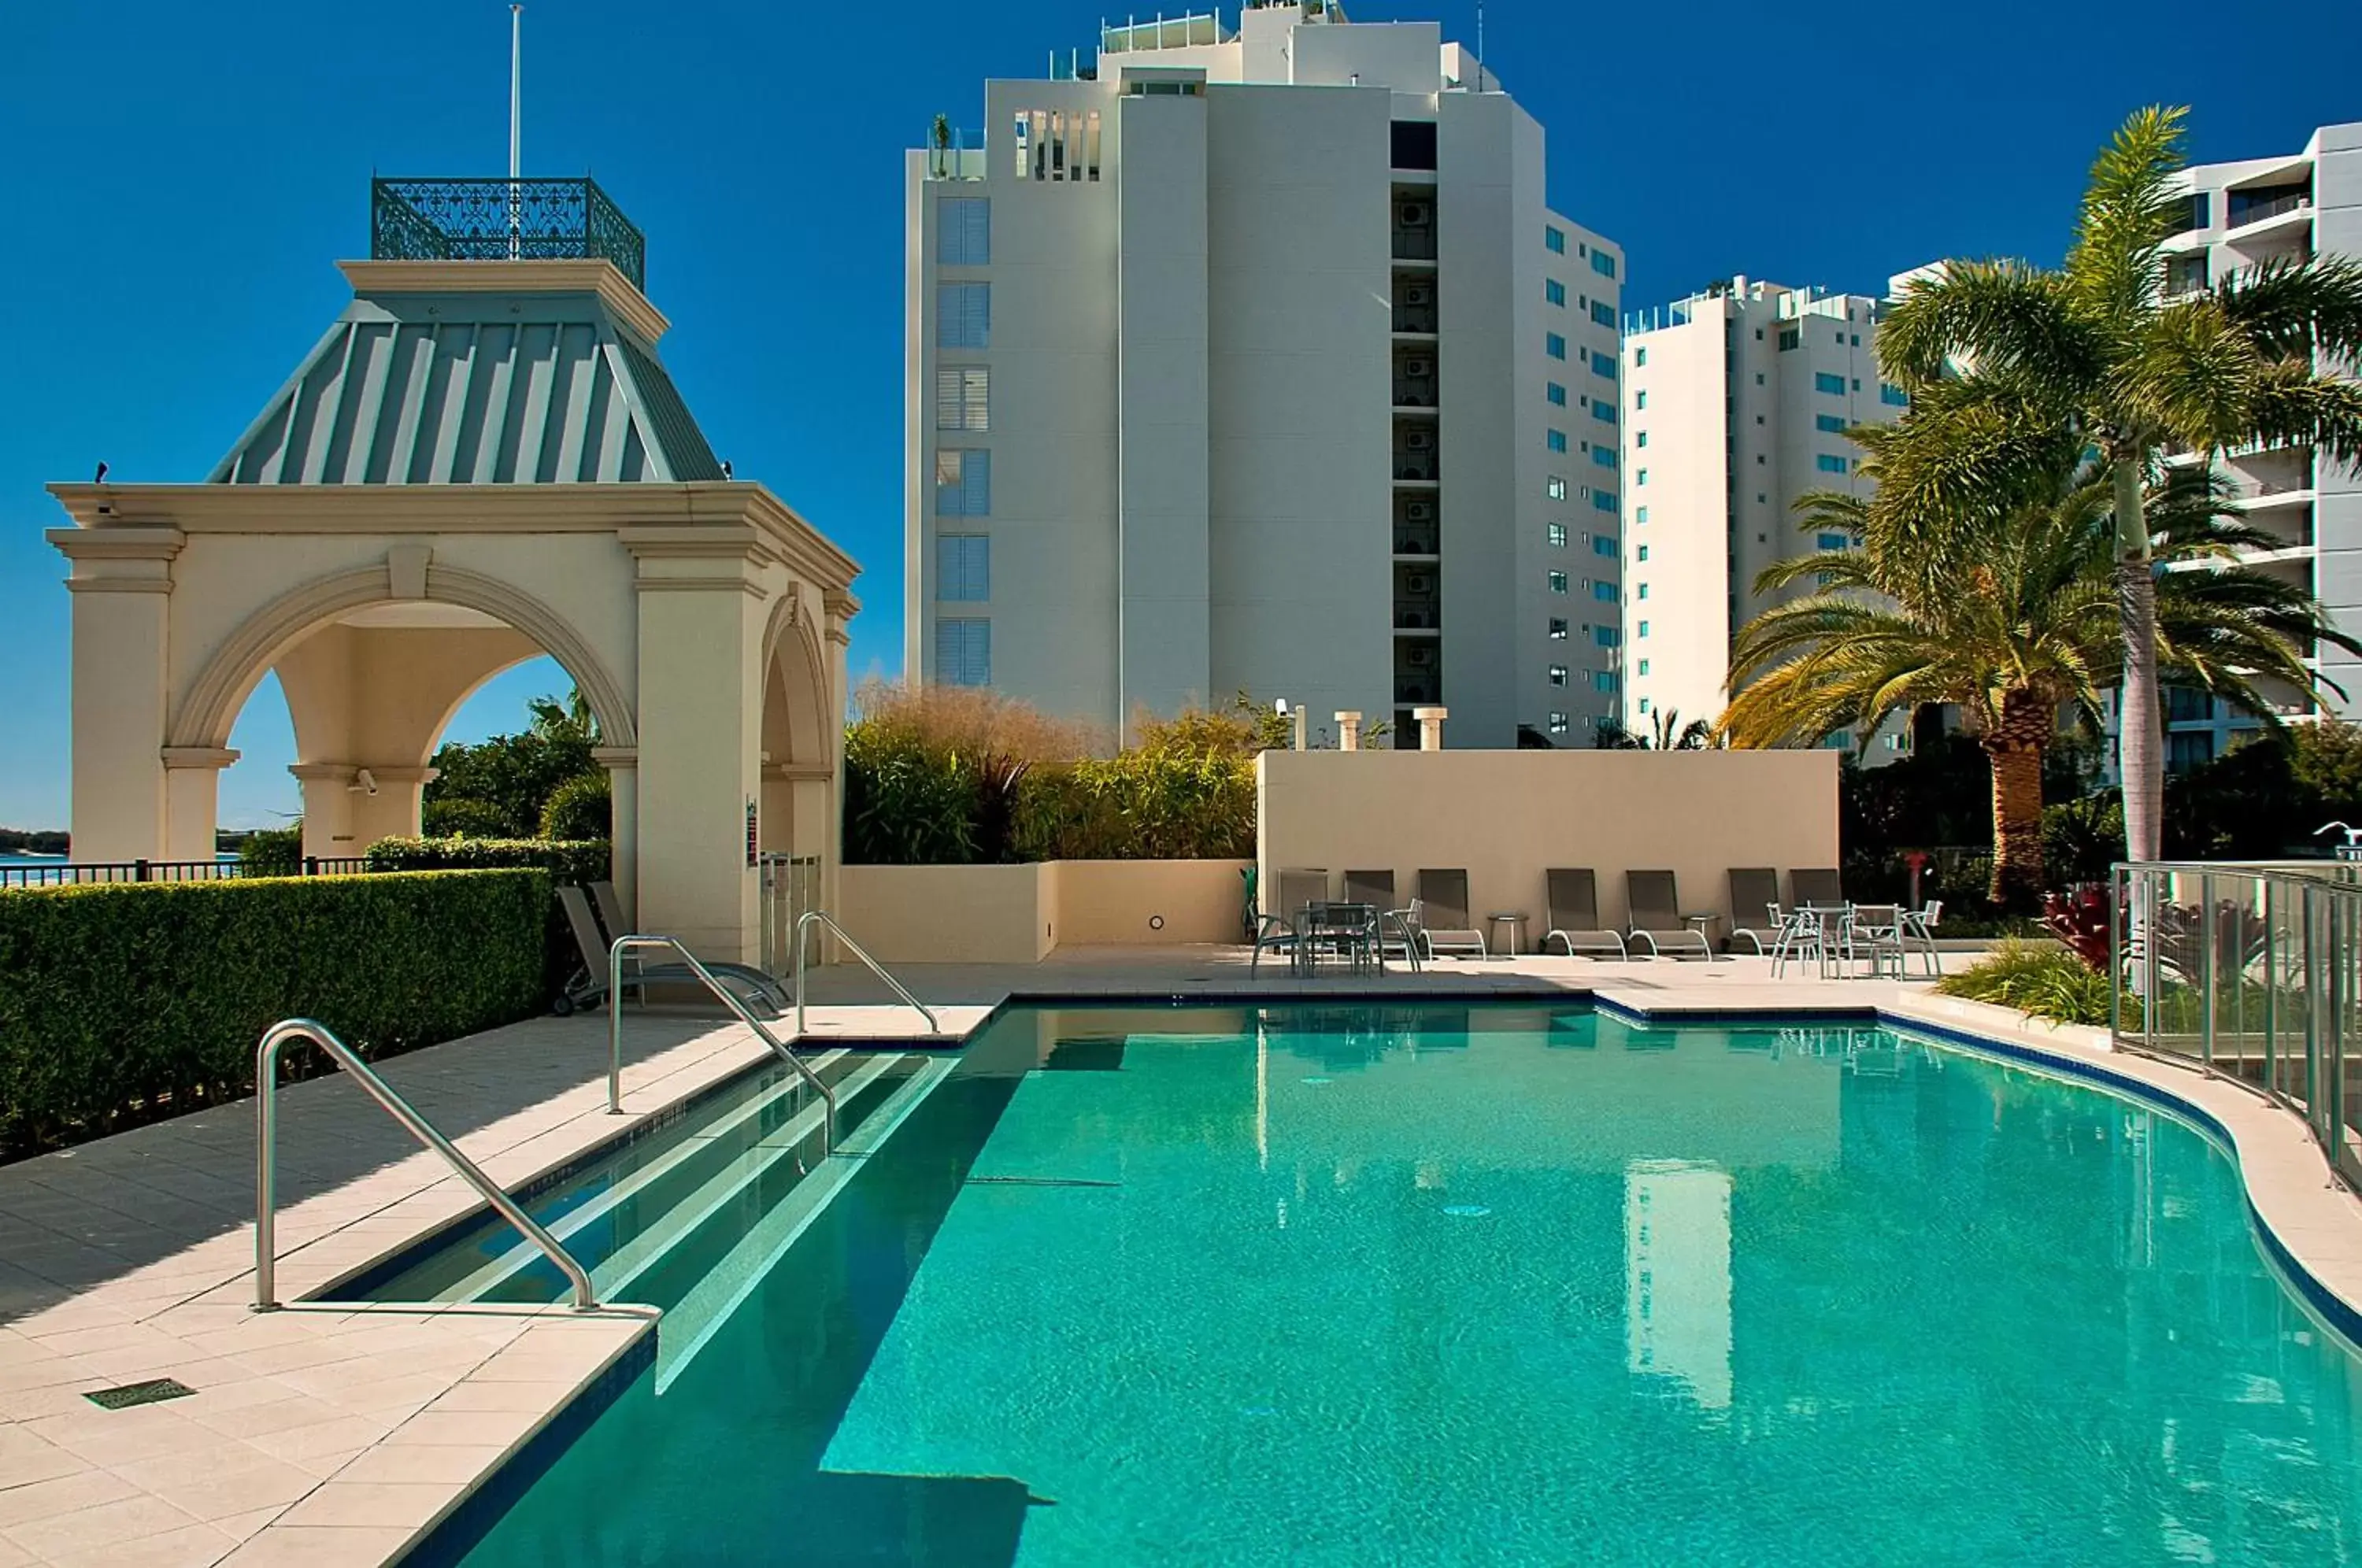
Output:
(2014, 748)
(2140, 741)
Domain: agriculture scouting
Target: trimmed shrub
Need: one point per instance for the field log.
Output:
(580, 810)
(568, 861)
(2045, 981)
(272, 852)
(468, 819)
(129, 1002)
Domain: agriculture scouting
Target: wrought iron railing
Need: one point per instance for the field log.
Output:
(504, 220)
(2253, 973)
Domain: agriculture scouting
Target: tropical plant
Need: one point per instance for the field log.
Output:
(457, 817)
(581, 808)
(2100, 352)
(2042, 979)
(1665, 732)
(2009, 611)
(515, 776)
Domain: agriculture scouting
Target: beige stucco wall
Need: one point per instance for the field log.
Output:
(1015, 915)
(1508, 816)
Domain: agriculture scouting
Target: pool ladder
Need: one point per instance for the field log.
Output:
(729, 998)
(266, 1172)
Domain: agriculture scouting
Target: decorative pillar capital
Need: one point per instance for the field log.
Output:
(614, 758)
(194, 757)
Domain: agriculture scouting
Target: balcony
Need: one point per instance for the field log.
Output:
(1415, 380)
(1416, 444)
(1413, 304)
(2263, 204)
(1414, 223)
(504, 220)
(1418, 671)
(954, 153)
(1418, 524)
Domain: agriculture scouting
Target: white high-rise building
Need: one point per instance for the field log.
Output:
(1254, 360)
(1736, 403)
(2243, 214)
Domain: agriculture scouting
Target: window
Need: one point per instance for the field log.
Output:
(1641, 515)
(1557, 675)
(1063, 144)
(1604, 545)
(1642, 630)
(1557, 723)
(1555, 488)
(1640, 438)
(1602, 454)
(1640, 357)
(1790, 338)
(1605, 592)
(1603, 681)
(1857, 340)
(1644, 701)
(1554, 291)
(1603, 364)
(1603, 312)
(1414, 143)
(1554, 346)
(964, 652)
(963, 231)
(1832, 423)
(1893, 395)
(1606, 636)
(1641, 477)
(1554, 240)
(963, 396)
(1558, 583)
(1644, 667)
(1829, 463)
(1556, 393)
(1555, 534)
(1823, 381)
(1601, 409)
(1557, 628)
(2198, 218)
(1555, 439)
(963, 483)
(1603, 500)
(1603, 263)
(963, 567)
(1640, 401)
(1644, 554)
(963, 315)
(1643, 592)
(1832, 541)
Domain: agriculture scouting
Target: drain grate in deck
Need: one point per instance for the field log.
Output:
(148, 1393)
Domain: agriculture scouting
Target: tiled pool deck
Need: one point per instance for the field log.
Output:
(334, 1435)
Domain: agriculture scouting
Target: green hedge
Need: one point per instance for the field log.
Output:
(568, 861)
(123, 1002)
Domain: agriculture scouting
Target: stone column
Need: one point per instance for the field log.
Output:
(330, 796)
(122, 586)
(1431, 726)
(1348, 729)
(623, 766)
(192, 798)
(393, 810)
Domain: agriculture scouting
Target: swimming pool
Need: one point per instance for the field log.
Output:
(1491, 1285)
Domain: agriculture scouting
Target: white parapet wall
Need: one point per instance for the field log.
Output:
(1507, 817)
(1016, 914)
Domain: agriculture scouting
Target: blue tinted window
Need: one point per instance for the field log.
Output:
(1833, 423)
(1825, 382)
(963, 653)
(1604, 591)
(1893, 395)
(1556, 393)
(1833, 541)
(1554, 239)
(964, 566)
(1554, 346)
(1603, 681)
(1603, 454)
(1603, 409)
(1603, 500)
(1603, 543)
(1557, 439)
(1603, 364)
(1603, 263)
(1606, 637)
(1553, 290)
(1829, 464)
(1603, 312)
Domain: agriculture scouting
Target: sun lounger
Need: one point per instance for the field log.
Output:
(1656, 916)
(1574, 915)
(765, 994)
(1755, 894)
(1442, 921)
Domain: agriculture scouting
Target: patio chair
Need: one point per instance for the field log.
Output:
(1574, 897)
(1280, 931)
(1376, 888)
(1751, 890)
(1811, 935)
(1875, 932)
(765, 994)
(1817, 889)
(1442, 914)
(1655, 911)
(1919, 935)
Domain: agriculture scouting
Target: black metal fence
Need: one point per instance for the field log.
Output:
(504, 220)
(79, 872)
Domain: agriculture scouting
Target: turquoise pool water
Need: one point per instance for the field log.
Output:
(1509, 1286)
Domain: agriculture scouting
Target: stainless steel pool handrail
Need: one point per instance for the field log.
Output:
(899, 989)
(616, 1027)
(266, 1174)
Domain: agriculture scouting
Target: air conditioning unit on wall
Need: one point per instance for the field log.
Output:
(1417, 367)
(1419, 655)
(1419, 512)
(1418, 440)
(1419, 582)
(1420, 293)
(1413, 215)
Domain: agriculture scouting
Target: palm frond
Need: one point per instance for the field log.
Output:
(2290, 405)
(2132, 205)
(2292, 306)
(2189, 374)
(2000, 315)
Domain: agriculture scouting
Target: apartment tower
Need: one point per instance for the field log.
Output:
(1736, 403)
(1252, 360)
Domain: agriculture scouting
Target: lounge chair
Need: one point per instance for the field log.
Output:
(1375, 888)
(1750, 890)
(1817, 889)
(765, 994)
(1278, 932)
(1919, 935)
(1442, 914)
(1574, 915)
(1656, 916)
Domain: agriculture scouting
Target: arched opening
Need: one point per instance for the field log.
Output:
(799, 747)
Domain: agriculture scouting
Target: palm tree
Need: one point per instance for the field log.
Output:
(570, 721)
(2010, 613)
(1666, 733)
(2100, 349)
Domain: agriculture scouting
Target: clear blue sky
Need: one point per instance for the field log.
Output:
(179, 179)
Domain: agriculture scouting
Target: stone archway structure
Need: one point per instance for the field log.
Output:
(483, 461)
